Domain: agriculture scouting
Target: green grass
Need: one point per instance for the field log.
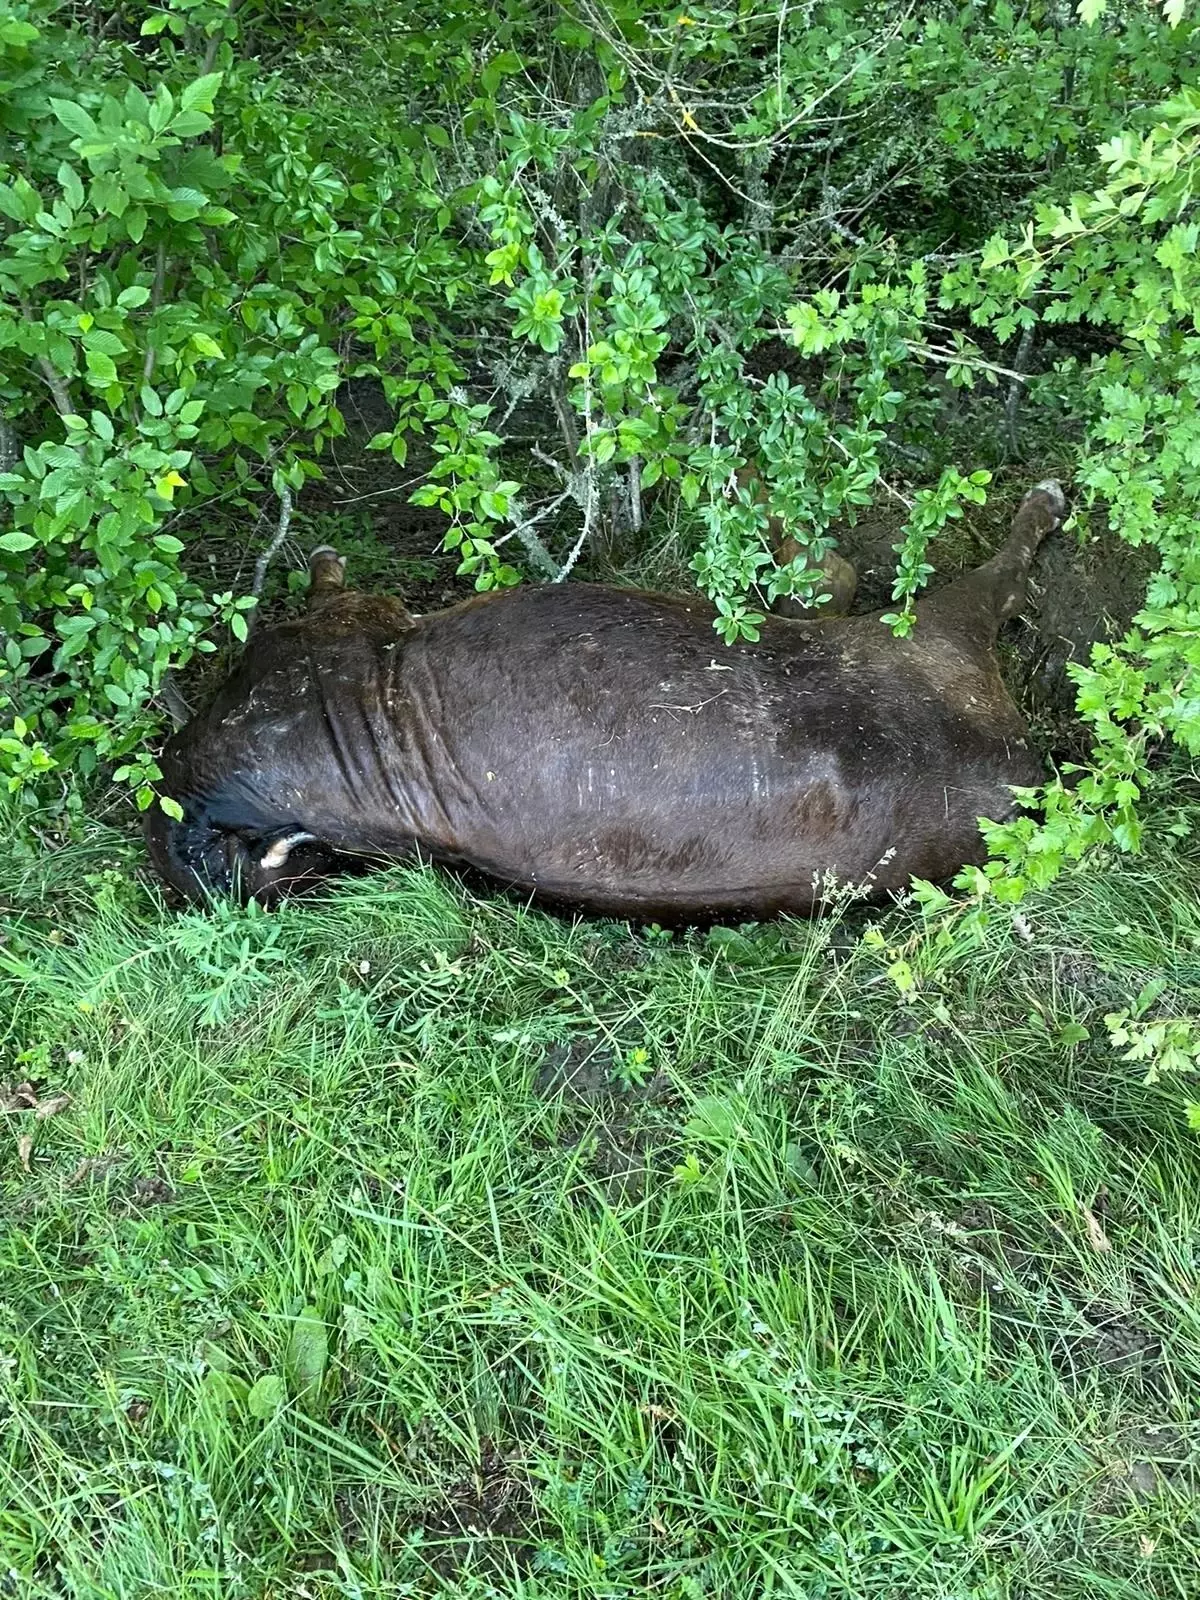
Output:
(793, 1290)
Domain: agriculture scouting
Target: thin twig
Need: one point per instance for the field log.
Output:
(522, 530)
(1012, 406)
(566, 423)
(177, 707)
(952, 358)
(281, 532)
(156, 294)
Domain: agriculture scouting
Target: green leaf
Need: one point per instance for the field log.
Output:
(75, 119)
(198, 96)
(11, 204)
(100, 366)
(70, 184)
(499, 68)
(172, 807)
(188, 123)
(267, 1397)
(136, 295)
(307, 1354)
(16, 541)
(17, 33)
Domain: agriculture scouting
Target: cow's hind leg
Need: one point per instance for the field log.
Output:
(327, 576)
(980, 602)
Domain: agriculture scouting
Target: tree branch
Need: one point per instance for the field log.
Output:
(156, 294)
(1012, 406)
(281, 533)
(214, 43)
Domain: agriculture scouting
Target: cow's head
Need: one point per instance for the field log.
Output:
(201, 860)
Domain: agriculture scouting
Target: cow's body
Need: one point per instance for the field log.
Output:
(601, 749)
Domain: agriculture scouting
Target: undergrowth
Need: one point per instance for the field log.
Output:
(405, 1243)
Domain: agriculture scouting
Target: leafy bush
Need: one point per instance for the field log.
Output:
(677, 243)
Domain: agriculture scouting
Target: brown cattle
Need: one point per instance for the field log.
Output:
(600, 749)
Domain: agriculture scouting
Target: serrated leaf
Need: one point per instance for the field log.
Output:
(75, 119)
(199, 95)
(100, 366)
(172, 808)
(16, 542)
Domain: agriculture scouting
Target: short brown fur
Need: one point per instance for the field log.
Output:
(600, 749)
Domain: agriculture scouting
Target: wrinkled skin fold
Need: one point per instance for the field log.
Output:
(599, 749)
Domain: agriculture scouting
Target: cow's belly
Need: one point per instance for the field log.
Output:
(647, 831)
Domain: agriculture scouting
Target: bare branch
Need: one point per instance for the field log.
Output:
(523, 532)
(635, 495)
(281, 533)
(156, 294)
(58, 387)
(10, 446)
(1012, 406)
(214, 43)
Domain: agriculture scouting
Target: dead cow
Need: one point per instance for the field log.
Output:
(600, 749)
